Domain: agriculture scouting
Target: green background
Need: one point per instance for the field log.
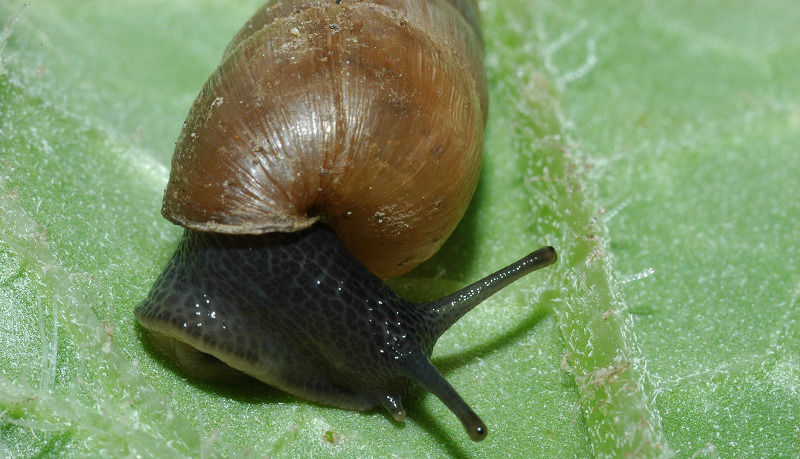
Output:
(656, 145)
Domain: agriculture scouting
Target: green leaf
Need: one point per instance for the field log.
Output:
(656, 146)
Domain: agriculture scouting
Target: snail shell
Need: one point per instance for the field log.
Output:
(338, 141)
(368, 116)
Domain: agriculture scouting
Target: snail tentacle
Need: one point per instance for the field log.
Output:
(423, 373)
(394, 406)
(449, 309)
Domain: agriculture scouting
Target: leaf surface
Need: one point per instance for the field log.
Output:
(656, 146)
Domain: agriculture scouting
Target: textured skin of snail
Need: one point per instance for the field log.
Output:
(314, 323)
(338, 142)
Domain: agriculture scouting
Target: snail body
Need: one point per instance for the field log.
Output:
(338, 143)
(313, 323)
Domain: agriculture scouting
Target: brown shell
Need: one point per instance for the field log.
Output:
(366, 115)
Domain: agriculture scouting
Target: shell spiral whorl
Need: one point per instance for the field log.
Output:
(368, 116)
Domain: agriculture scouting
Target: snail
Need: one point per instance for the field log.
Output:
(337, 144)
